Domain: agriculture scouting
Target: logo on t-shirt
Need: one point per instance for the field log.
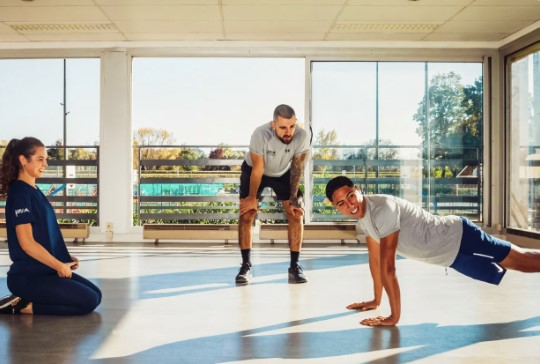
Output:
(271, 152)
(21, 211)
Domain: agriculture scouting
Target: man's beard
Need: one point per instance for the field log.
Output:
(285, 141)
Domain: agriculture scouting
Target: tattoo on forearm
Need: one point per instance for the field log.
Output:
(296, 172)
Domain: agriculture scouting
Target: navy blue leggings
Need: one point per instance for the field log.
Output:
(52, 295)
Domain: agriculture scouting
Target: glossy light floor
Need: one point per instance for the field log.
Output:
(179, 304)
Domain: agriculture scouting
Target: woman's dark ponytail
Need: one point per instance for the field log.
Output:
(9, 170)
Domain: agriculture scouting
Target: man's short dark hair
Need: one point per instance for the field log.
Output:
(283, 111)
(335, 184)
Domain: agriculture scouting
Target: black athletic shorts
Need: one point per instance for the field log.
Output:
(280, 185)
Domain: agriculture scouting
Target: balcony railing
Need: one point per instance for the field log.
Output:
(451, 183)
(204, 187)
(192, 190)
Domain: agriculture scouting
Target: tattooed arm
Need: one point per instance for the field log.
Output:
(296, 172)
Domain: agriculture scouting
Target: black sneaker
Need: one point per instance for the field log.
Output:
(8, 303)
(20, 305)
(296, 274)
(244, 276)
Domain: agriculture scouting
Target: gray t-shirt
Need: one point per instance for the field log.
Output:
(277, 155)
(422, 236)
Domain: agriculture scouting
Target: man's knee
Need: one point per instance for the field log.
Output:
(296, 217)
(248, 217)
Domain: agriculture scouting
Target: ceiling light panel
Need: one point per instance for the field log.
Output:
(64, 28)
(384, 27)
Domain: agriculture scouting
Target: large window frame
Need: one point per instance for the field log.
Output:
(71, 86)
(428, 203)
(523, 164)
(116, 204)
(165, 215)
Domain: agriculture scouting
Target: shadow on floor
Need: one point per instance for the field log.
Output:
(75, 339)
(418, 341)
(222, 278)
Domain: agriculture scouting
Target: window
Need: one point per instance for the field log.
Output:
(193, 119)
(524, 141)
(344, 114)
(57, 101)
(32, 100)
(409, 129)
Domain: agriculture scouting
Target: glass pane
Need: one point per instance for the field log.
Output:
(32, 104)
(401, 89)
(200, 113)
(399, 168)
(390, 138)
(524, 154)
(343, 99)
(203, 101)
(82, 100)
(31, 96)
(453, 139)
(344, 125)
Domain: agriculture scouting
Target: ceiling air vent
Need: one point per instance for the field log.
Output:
(64, 28)
(394, 28)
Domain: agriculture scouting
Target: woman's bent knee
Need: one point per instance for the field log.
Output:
(89, 305)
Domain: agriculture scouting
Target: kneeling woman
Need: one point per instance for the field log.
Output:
(41, 277)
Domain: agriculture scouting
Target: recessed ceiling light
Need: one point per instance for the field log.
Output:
(384, 27)
(64, 28)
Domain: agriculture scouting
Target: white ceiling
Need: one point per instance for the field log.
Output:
(264, 20)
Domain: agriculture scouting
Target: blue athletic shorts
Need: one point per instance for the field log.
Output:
(480, 253)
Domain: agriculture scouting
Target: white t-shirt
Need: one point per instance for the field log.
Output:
(277, 155)
(422, 236)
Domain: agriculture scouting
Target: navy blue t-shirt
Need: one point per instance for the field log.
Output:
(28, 205)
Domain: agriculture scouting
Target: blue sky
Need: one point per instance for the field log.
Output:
(219, 100)
(214, 100)
(31, 97)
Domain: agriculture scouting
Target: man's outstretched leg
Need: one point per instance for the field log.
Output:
(522, 260)
(296, 235)
(245, 238)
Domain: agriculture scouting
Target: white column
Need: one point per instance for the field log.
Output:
(116, 157)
